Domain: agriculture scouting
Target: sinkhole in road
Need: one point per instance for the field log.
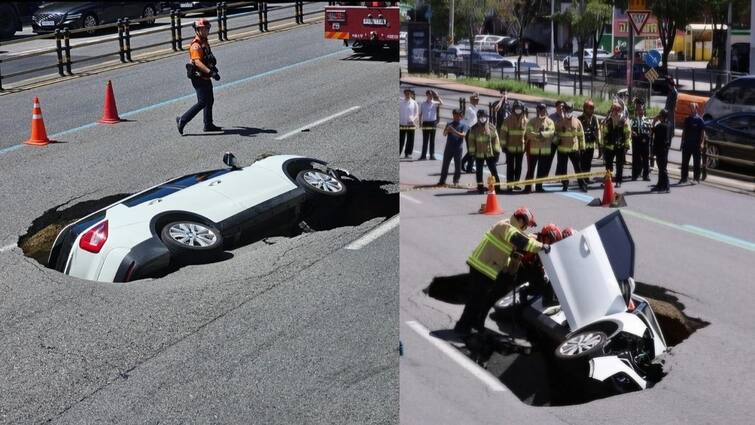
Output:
(365, 200)
(537, 377)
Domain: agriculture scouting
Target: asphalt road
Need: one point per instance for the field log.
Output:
(697, 242)
(286, 330)
(84, 55)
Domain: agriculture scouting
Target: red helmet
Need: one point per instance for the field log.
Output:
(200, 23)
(550, 234)
(567, 232)
(526, 216)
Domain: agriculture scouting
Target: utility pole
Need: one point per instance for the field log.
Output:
(553, 12)
(752, 39)
(451, 23)
(727, 66)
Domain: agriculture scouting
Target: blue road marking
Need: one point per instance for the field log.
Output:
(178, 99)
(720, 237)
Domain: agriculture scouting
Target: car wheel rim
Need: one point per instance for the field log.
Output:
(323, 181)
(90, 22)
(711, 151)
(580, 344)
(192, 234)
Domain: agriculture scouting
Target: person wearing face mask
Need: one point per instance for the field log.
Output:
(571, 138)
(593, 137)
(539, 133)
(512, 138)
(616, 142)
(485, 147)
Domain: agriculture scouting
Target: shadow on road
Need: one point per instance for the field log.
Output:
(237, 130)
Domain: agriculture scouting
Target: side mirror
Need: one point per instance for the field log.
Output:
(229, 159)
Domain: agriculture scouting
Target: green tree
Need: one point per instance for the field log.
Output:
(600, 13)
(522, 13)
(583, 27)
(673, 15)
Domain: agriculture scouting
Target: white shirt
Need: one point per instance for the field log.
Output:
(408, 112)
(429, 110)
(470, 117)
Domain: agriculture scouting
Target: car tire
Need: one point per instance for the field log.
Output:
(191, 241)
(90, 20)
(582, 345)
(320, 183)
(711, 151)
(149, 12)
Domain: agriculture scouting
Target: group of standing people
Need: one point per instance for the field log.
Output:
(412, 114)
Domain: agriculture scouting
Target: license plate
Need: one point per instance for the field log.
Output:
(189, 5)
(336, 26)
(368, 21)
(47, 23)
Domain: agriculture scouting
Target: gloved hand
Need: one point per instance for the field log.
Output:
(214, 75)
(546, 248)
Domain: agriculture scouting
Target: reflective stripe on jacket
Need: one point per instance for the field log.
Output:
(540, 145)
(591, 126)
(571, 135)
(483, 145)
(512, 133)
(493, 253)
(619, 136)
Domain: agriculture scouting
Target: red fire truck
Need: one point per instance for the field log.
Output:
(370, 26)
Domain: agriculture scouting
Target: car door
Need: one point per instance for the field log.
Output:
(132, 9)
(251, 186)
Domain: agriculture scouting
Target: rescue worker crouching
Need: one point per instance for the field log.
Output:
(493, 266)
(513, 139)
(485, 147)
(593, 139)
(616, 141)
(201, 68)
(539, 133)
(571, 142)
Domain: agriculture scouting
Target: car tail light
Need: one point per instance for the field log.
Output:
(94, 238)
(339, 16)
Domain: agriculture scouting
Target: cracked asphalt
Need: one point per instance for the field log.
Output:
(286, 330)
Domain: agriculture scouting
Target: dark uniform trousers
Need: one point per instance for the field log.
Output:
(205, 100)
(640, 157)
(407, 135)
(449, 153)
(561, 165)
(617, 154)
(585, 163)
(491, 163)
(542, 163)
(661, 157)
(694, 152)
(483, 295)
(428, 138)
(514, 166)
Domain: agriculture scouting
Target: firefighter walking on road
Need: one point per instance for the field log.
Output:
(593, 139)
(512, 138)
(200, 70)
(485, 148)
(493, 266)
(539, 133)
(571, 142)
(616, 141)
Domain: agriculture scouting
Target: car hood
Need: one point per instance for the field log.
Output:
(64, 7)
(584, 270)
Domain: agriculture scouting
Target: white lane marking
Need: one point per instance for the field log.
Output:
(455, 355)
(409, 198)
(318, 122)
(8, 247)
(373, 234)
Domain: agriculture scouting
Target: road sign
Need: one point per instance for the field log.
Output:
(653, 58)
(651, 75)
(638, 19)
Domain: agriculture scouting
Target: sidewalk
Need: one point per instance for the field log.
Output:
(717, 181)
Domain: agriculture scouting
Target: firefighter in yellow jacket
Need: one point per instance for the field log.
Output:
(571, 143)
(617, 137)
(539, 134)
(512, 139)
(484, 147)
(493, 266)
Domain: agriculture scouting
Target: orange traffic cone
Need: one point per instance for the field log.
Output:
(110, 111)
(607, 190)
(491, 207)
(38, 132)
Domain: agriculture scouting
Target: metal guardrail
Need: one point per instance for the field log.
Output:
(63, 43)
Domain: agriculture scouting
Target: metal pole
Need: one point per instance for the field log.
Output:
(558, 80)
(728, 41)
(219, 13)
(613, 42)
(553, 42)
(225, 21)
(121, 49)
(752, 39)
(67, 47)
(451, 22)
(127, 35)
(630, 61)
(59, 47)
(264, 4)
(178, 30)
(172, 31)
(259, 16)
(693, 79)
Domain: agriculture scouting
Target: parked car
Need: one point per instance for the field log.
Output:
(508, 66)
(572, 61)
(733, 137)
(599, 327)
(191, 218)
(74, 15)
(737, 96)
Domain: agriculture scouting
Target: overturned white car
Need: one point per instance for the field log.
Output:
(598, 319)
